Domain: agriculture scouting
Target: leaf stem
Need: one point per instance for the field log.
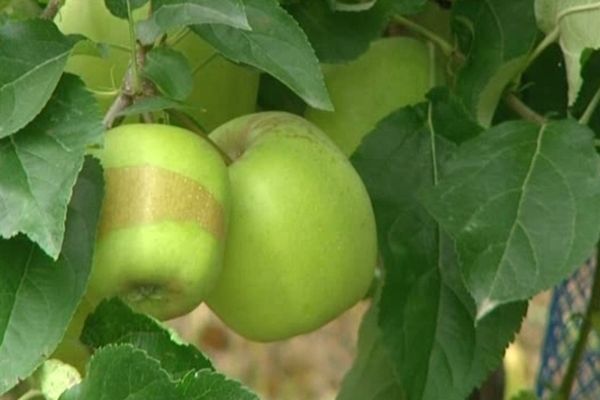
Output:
(543, 45)
(576, 9)
(51, 9)
(444, 45)
(432, 139)
(204, 62)
(586, 327)
(133, 45)
(524, 111)
(31, 394)
(591, 107)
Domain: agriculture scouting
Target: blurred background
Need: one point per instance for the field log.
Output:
(312, 366)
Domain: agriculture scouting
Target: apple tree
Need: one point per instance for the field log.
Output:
(281, 161)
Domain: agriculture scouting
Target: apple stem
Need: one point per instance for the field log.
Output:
(191, 124)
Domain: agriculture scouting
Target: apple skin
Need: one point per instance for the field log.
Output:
(301, 247)
(162, 225)
(222, 90)
(393, 73)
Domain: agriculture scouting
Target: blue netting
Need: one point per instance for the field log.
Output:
(569, 302)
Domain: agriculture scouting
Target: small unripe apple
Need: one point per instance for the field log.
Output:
(162, 225)
(301, 247)
(222, 90)
(393, 73)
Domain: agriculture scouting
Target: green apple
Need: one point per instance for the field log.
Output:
(160, 239)
(301, 247)
(393, 73)
(222, 90)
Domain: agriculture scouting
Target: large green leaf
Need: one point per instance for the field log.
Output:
(170, 14)
(39, 295)
(339, 36)
(277, 45)
(496, 36)
(521, 200)
(577, 24)
(123, 371)
(170, 71)
(427, 318)
(209, 385)
(114, 323)
(120, 372)
(33, 54)
(39, 165)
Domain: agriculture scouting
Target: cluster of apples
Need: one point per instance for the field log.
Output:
(278, 242)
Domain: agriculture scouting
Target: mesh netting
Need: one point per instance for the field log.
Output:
(569, 302)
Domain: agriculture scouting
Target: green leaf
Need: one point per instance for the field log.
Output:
(209, 385)
(120, 372)
(114, 323)
(496, 36)
(521, 201)
(124, 372)
(427, 318)
(589, 88)
(274, 95)
(33, 54)
(450, 118)
(576, 22)
(39, 296)
(277, 45)
(118, 8)
(169, 14)
(151, 104)
(40, 163)
(339, 36)
(170, 71)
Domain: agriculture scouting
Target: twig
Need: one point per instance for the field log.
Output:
(51, 9)
(593, 307)
(518, 106)
(128, 92)
(112, 116)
